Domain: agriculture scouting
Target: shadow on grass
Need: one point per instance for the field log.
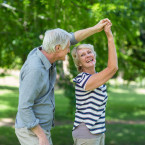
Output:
(8, 137)
(8, 101)
(61, 107)
(125, 105)
(62, 135)
(9, 88)
(119, 134)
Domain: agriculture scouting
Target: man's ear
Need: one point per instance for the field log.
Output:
(57, 48)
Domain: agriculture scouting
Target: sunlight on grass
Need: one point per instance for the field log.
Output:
(2, 92)
(4, 107)
(118, 90)
(127, 89)
(61, 106)
(59, 91)
(120, 134)
(122, 99)
(8, 101)
(126, 131)
(140, 91)
(139, 113)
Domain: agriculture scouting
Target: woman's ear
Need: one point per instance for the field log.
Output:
(80, 64)
(80, 68)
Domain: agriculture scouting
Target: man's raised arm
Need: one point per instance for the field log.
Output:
(85, 33)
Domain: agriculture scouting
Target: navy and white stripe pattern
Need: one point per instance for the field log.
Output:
(90, 105)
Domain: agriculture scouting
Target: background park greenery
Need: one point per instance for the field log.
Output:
(124, 116)
(22, 26)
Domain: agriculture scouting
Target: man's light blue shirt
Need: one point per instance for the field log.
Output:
(36, 91)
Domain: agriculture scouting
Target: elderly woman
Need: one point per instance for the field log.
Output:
(90, 91)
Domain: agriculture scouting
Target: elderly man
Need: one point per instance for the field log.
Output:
(37, 78)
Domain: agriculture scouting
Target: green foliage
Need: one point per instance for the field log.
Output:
(24, 22)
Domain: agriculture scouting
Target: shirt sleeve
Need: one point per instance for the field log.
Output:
(73, 41)
(82, 79)
(29, 91)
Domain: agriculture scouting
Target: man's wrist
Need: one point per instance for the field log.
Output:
(39, 131)
(41, 135)
(95, 29)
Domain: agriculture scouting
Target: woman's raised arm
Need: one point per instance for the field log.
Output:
(98, 79)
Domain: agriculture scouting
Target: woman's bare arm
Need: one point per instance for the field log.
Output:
(98, 79)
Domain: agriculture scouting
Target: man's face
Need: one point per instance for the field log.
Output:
(63, 53)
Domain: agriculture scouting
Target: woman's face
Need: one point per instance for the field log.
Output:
(86, 58)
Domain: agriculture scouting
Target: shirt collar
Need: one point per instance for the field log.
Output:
(44, 60)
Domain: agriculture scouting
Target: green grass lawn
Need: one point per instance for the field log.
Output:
(124, 103)
(117, 134)
(8, 101)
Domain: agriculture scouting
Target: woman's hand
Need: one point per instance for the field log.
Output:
(98, 79)
(107, 29)
(102, 23)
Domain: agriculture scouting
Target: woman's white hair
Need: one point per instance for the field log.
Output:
(74, 54)
(55, 37)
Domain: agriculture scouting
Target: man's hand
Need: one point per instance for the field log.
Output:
(100, 26)
(43, 141)
(85, 33)
(41, 135)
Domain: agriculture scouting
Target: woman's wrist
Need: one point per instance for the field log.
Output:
(110, 38)
(109, 35)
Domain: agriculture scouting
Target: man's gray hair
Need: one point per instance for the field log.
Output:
(55, 37)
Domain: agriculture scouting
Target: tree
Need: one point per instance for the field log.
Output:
(23, 22)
